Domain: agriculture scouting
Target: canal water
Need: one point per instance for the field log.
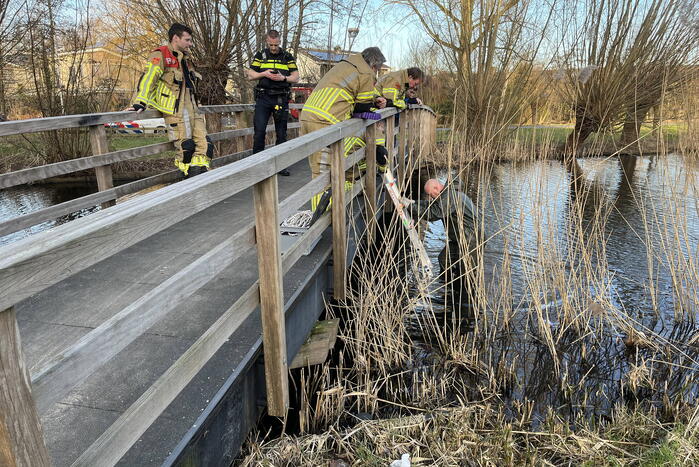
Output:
(620, 250)
(22, 200)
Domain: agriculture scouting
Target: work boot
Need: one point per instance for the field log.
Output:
(196, 170)
(284, 173)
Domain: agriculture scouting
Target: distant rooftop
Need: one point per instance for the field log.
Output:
(322, 55)
(329, 56)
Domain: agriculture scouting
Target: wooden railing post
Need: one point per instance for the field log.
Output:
(214, 124)
(390, 159)
(240, 123)
(402, 137)
(337, 185)
(99, 145)
(21, 440)
(370, 190)
(266, 198)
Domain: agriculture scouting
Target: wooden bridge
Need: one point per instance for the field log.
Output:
(155, 331)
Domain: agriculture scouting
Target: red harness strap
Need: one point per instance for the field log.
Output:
(168, 57)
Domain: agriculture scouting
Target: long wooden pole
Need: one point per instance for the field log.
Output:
(21, 439)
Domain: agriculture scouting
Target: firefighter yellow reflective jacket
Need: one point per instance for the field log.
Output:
(349, 82)
(393, 86)
(162, 81)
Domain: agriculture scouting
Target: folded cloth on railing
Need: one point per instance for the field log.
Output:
(367, 115)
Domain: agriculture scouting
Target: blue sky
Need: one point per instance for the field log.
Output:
(384, 26)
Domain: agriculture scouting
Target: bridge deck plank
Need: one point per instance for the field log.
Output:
(70, 308)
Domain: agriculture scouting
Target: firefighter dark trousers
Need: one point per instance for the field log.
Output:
(266, 105)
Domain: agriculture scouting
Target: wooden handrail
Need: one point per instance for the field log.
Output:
(35, 125)
(43, 172)
(35, 263)
(22, 269)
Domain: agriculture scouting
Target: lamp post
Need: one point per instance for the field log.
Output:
(352, 33)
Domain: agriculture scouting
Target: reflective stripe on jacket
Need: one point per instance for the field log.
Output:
(162, 81)
(349, 82)
(393, 86)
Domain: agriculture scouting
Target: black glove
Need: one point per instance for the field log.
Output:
(362, 107)
(138, 106)
(411, 100)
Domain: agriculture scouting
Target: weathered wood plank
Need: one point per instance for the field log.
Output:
(318, 344)
(43, 172)
(128, 428)
(266, 200)
(21, 439)
(354, 158)
(33, 264)
(64, 372)
(391, 148)
(301, 196)
(99, 145)
(52, 212)
(55, 379)
(61, 168)
(32, 125)
(298, 249)
(337, 184)
(402, 138)
(370, 195)
(229, 134)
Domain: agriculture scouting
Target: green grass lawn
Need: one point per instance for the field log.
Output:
(557, 134)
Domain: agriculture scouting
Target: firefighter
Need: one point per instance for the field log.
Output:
(398, 88)
(275, 69)
(394, 86)
(346, 89)
(169, 85)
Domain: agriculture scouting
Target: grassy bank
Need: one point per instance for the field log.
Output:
(544, 141)
(482, 434)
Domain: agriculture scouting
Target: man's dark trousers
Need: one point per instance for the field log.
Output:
(264, 107)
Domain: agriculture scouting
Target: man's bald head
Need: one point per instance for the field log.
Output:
(433, 187)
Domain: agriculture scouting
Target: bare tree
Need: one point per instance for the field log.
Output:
(13, 29)
(491, 46)
(624, 56)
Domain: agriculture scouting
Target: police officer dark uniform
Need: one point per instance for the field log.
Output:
(275, 69)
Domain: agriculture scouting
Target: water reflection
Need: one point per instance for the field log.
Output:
(21, 200)
(626, 241)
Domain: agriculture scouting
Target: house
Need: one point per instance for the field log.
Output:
(101, 67)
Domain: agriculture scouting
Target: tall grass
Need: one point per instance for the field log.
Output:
(554, 366)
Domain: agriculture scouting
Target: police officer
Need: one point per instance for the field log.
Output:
(275, 69)
(168, 84)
